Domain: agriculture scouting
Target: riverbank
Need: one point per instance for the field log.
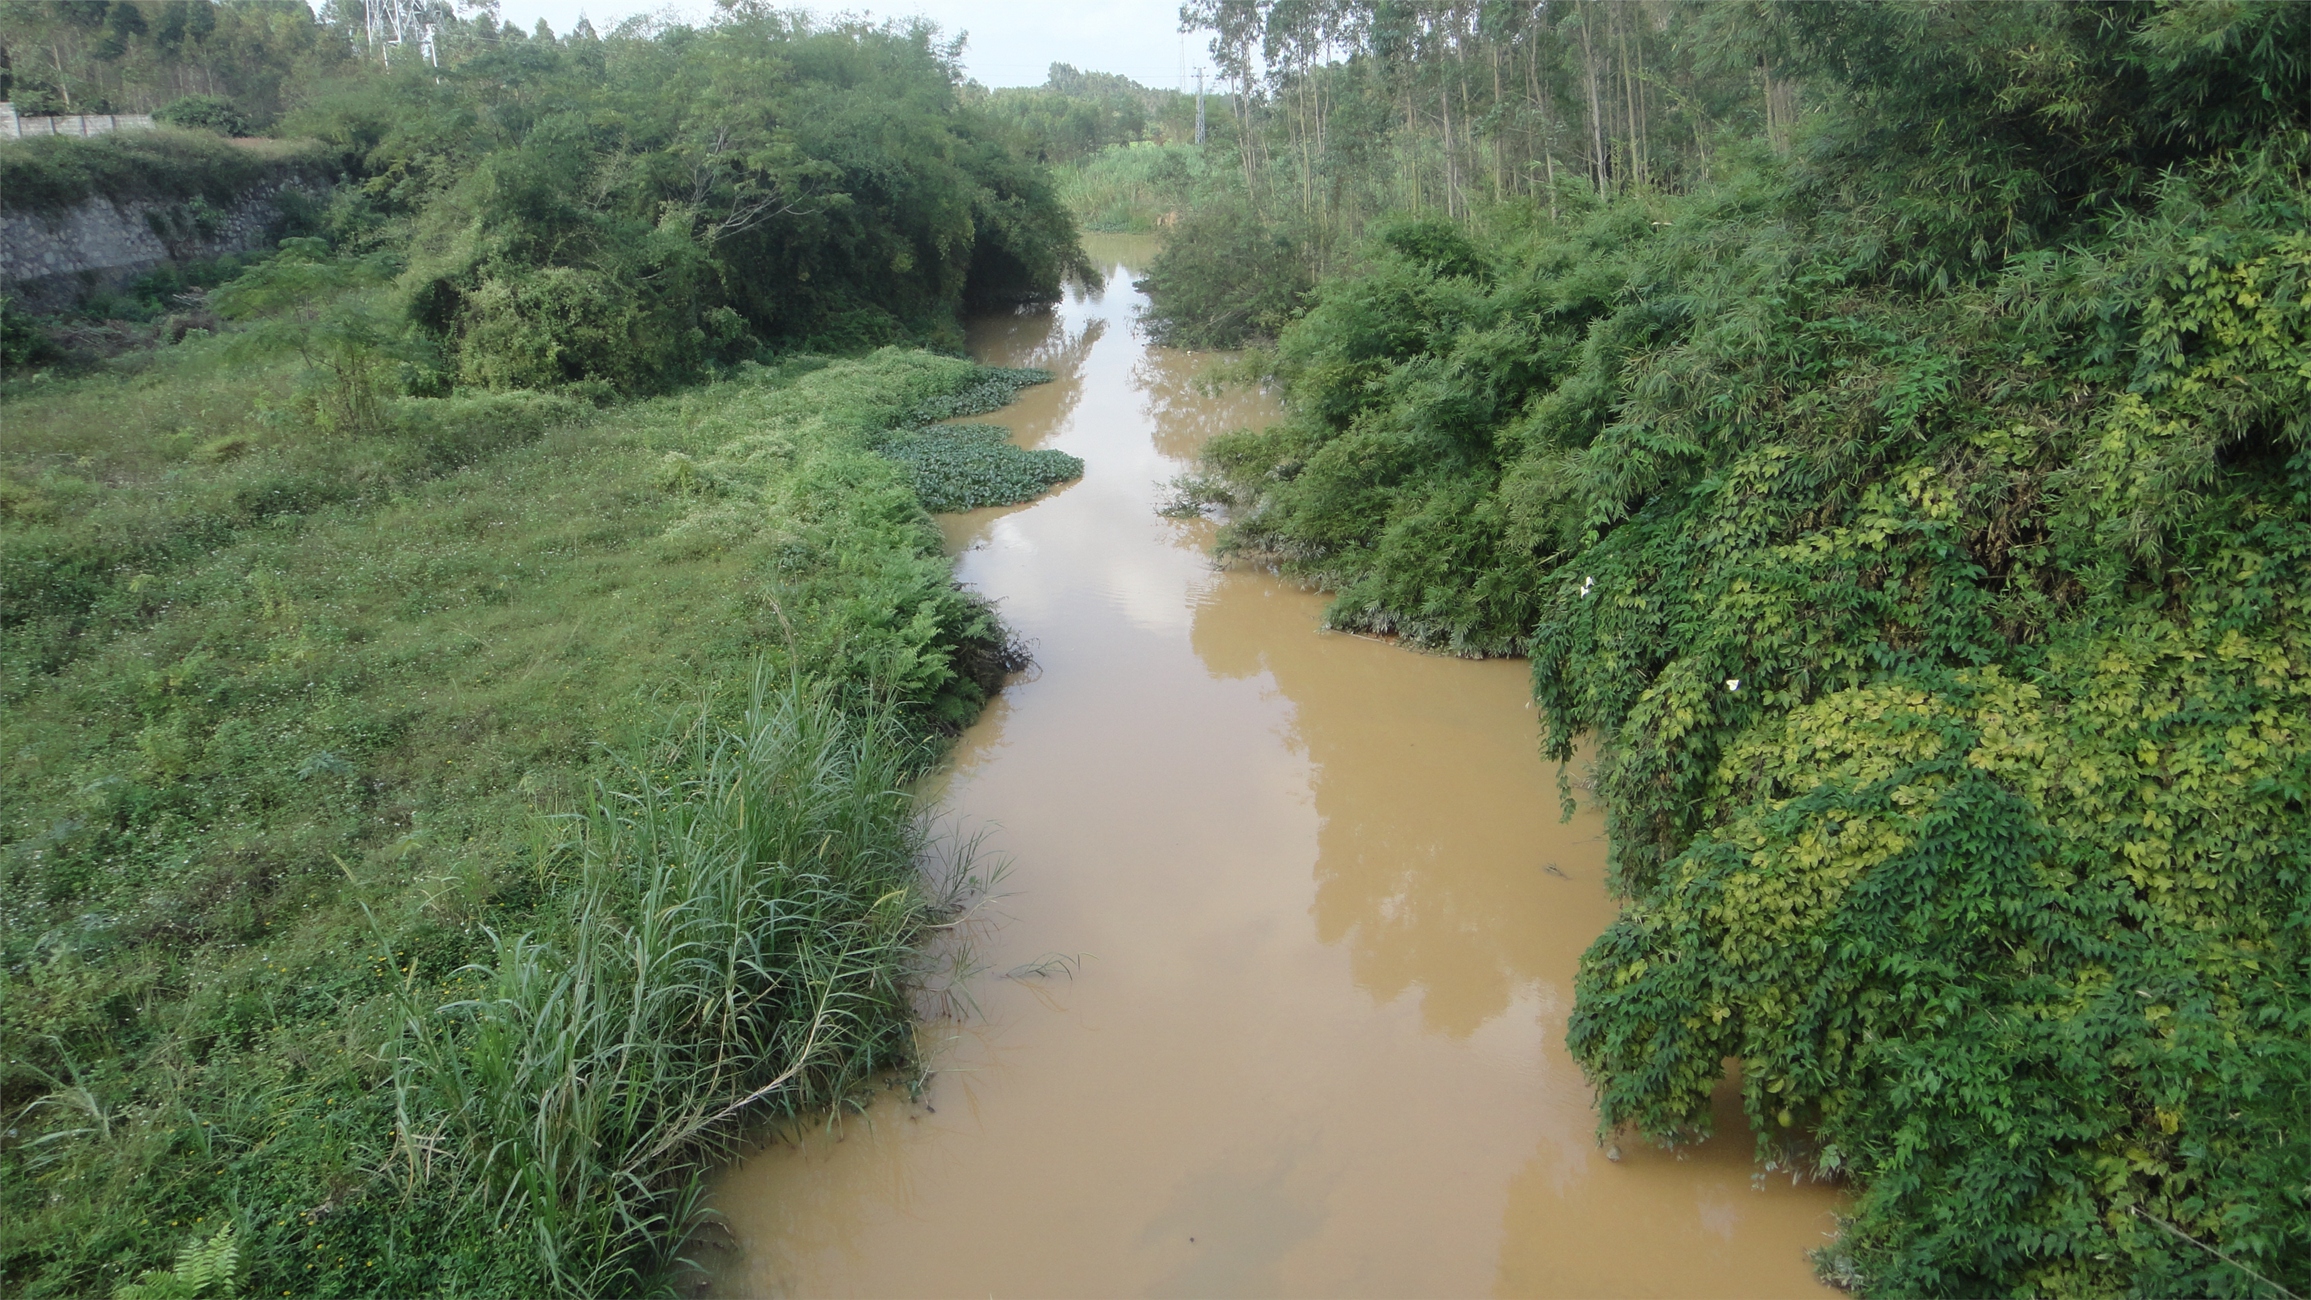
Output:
(343, 768)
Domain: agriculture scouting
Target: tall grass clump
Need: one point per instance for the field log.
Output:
(1134, 188)
(731, 944)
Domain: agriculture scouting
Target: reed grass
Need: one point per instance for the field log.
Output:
(1133, 188)
(733, 945)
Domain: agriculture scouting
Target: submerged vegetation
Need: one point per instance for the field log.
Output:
(1911, 493)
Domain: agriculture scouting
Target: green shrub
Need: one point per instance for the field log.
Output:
(558, 325)
(768, 184)
(203, 113)
(22, 341)
(1225, 277)
(354, 352)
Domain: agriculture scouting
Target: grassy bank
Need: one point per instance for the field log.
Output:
(51, 174)
(510, 706)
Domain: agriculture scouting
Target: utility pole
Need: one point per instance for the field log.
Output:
(1199, 106)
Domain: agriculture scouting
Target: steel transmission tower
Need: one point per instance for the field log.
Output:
(394, 23)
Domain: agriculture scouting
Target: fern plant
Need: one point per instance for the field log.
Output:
(205, 1270)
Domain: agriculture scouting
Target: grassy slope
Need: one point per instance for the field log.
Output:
(50, 174)
(258, 681)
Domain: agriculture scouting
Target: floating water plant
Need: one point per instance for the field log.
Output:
(965, 466)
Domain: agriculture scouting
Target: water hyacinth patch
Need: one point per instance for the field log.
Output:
(966, 466)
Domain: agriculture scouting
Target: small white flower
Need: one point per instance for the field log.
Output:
(1587, 583)
(1733, 683)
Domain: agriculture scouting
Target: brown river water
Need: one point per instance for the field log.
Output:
(1274, 992)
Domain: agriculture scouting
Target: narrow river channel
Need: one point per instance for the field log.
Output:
(1305, 920)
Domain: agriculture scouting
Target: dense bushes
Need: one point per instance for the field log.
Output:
(203, 113)
(625, 215)
(630, 212)
(1224, 276)
(1920, 525)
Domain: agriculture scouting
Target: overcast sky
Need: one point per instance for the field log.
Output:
(1012, 41)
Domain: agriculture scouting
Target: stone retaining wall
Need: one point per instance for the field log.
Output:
(53, 261)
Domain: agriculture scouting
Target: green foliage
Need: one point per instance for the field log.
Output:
(294, 719)
(626, 215)
(48, 174)
(1937, 603)
(1136, 188)
(966, 466)
(353, 351)
(633, 212)
(22, 341)
(203, 113)
(1225, 277)
(731, 943)
(136, 56)
(1074, 115)
(1340, 116)
(205, 1270)
(2041, 114)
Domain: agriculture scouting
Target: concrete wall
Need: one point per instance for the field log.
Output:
(14, 126)
(53, 261)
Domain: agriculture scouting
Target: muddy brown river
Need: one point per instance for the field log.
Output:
(1273, 995)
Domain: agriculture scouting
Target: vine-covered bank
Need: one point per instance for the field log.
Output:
(1921, 523)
